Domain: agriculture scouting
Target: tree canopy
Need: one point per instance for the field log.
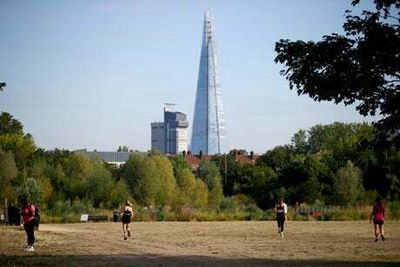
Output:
(361, 66)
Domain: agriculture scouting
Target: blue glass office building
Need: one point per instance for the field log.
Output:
(209, 129)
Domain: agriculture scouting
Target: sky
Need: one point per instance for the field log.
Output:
(95, 74)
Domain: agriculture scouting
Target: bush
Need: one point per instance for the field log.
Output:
(394, 210)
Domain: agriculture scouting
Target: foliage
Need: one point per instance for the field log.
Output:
(332, 164)
(21, 146)
(209, 173)
(167, 193)
(10, 125)
(31, 190)
(8, 168)
(361, 67)
(347, 186)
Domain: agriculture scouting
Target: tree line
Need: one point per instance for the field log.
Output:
(337, 164)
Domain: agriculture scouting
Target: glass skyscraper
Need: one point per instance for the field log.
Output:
(209, 129)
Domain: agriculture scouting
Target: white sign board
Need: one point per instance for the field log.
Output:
(84, 217)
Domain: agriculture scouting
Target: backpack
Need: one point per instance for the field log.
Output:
(37, 217)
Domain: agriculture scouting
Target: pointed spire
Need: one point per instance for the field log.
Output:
(209, 131)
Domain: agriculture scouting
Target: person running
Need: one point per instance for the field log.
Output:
(378, 217)
(127, 214)
(28, 218)
(281, 211)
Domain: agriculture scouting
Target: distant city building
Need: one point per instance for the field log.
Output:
(158, 136)
(209, 130)
(170, 136)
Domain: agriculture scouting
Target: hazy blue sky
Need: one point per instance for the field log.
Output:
(94, 74)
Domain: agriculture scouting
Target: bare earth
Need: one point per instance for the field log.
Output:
(204, 244)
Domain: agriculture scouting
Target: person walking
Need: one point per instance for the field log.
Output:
(28, 218)
(378, 217)
(127, 214)
(281, 211)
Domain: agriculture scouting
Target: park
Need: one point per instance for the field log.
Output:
(230, 243)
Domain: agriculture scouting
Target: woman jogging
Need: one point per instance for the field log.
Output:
(281, 211)
(127, 214)
(378, 217)
(28, 218)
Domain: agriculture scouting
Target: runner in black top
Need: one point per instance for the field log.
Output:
(126, 217)
(281, 211)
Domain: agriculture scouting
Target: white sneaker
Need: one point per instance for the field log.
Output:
(281, 234)
(30, 249)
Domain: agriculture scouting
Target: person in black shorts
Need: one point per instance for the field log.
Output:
(126, 217)
(378, 217)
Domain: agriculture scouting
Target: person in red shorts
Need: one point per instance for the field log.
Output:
(378, 217)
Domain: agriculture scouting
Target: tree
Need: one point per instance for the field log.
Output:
(347, 185)
(361, 67)
(209, 173)
(22, 146)
(165, 173)
(123, 149)
(10, 125)
(8, 171)
(140, 172)
(31, 190)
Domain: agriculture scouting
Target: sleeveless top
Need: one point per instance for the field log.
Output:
(378, 212)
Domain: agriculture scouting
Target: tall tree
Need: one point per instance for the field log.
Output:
(361, 67)
(209, 173)
(10, 125)
(347, 185)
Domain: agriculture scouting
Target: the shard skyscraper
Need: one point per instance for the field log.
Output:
(209, 129)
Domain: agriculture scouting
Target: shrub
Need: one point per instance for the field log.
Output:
(394, 210)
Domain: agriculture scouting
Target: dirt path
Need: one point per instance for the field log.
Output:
(205, 244)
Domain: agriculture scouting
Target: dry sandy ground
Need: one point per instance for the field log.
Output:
(204, 244)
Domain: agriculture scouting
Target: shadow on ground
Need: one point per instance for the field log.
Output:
(155, 260)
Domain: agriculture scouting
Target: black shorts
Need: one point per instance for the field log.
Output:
(378, 222)
(126, 219)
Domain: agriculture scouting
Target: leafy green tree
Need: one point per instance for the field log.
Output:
(21, 146)
(140, 172)
(38, 171)
(300, 142)
(8, 171)
(186, 183)
(30, 189)
(10, 125)
(209, 173)
(77, 169)
(264, 186)
(347, 185)
(200, 195)
(227, 169)
(120, 193)
(99, 184)
(178, 163)
(361, 67)
(278, 158)
(165, 171)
